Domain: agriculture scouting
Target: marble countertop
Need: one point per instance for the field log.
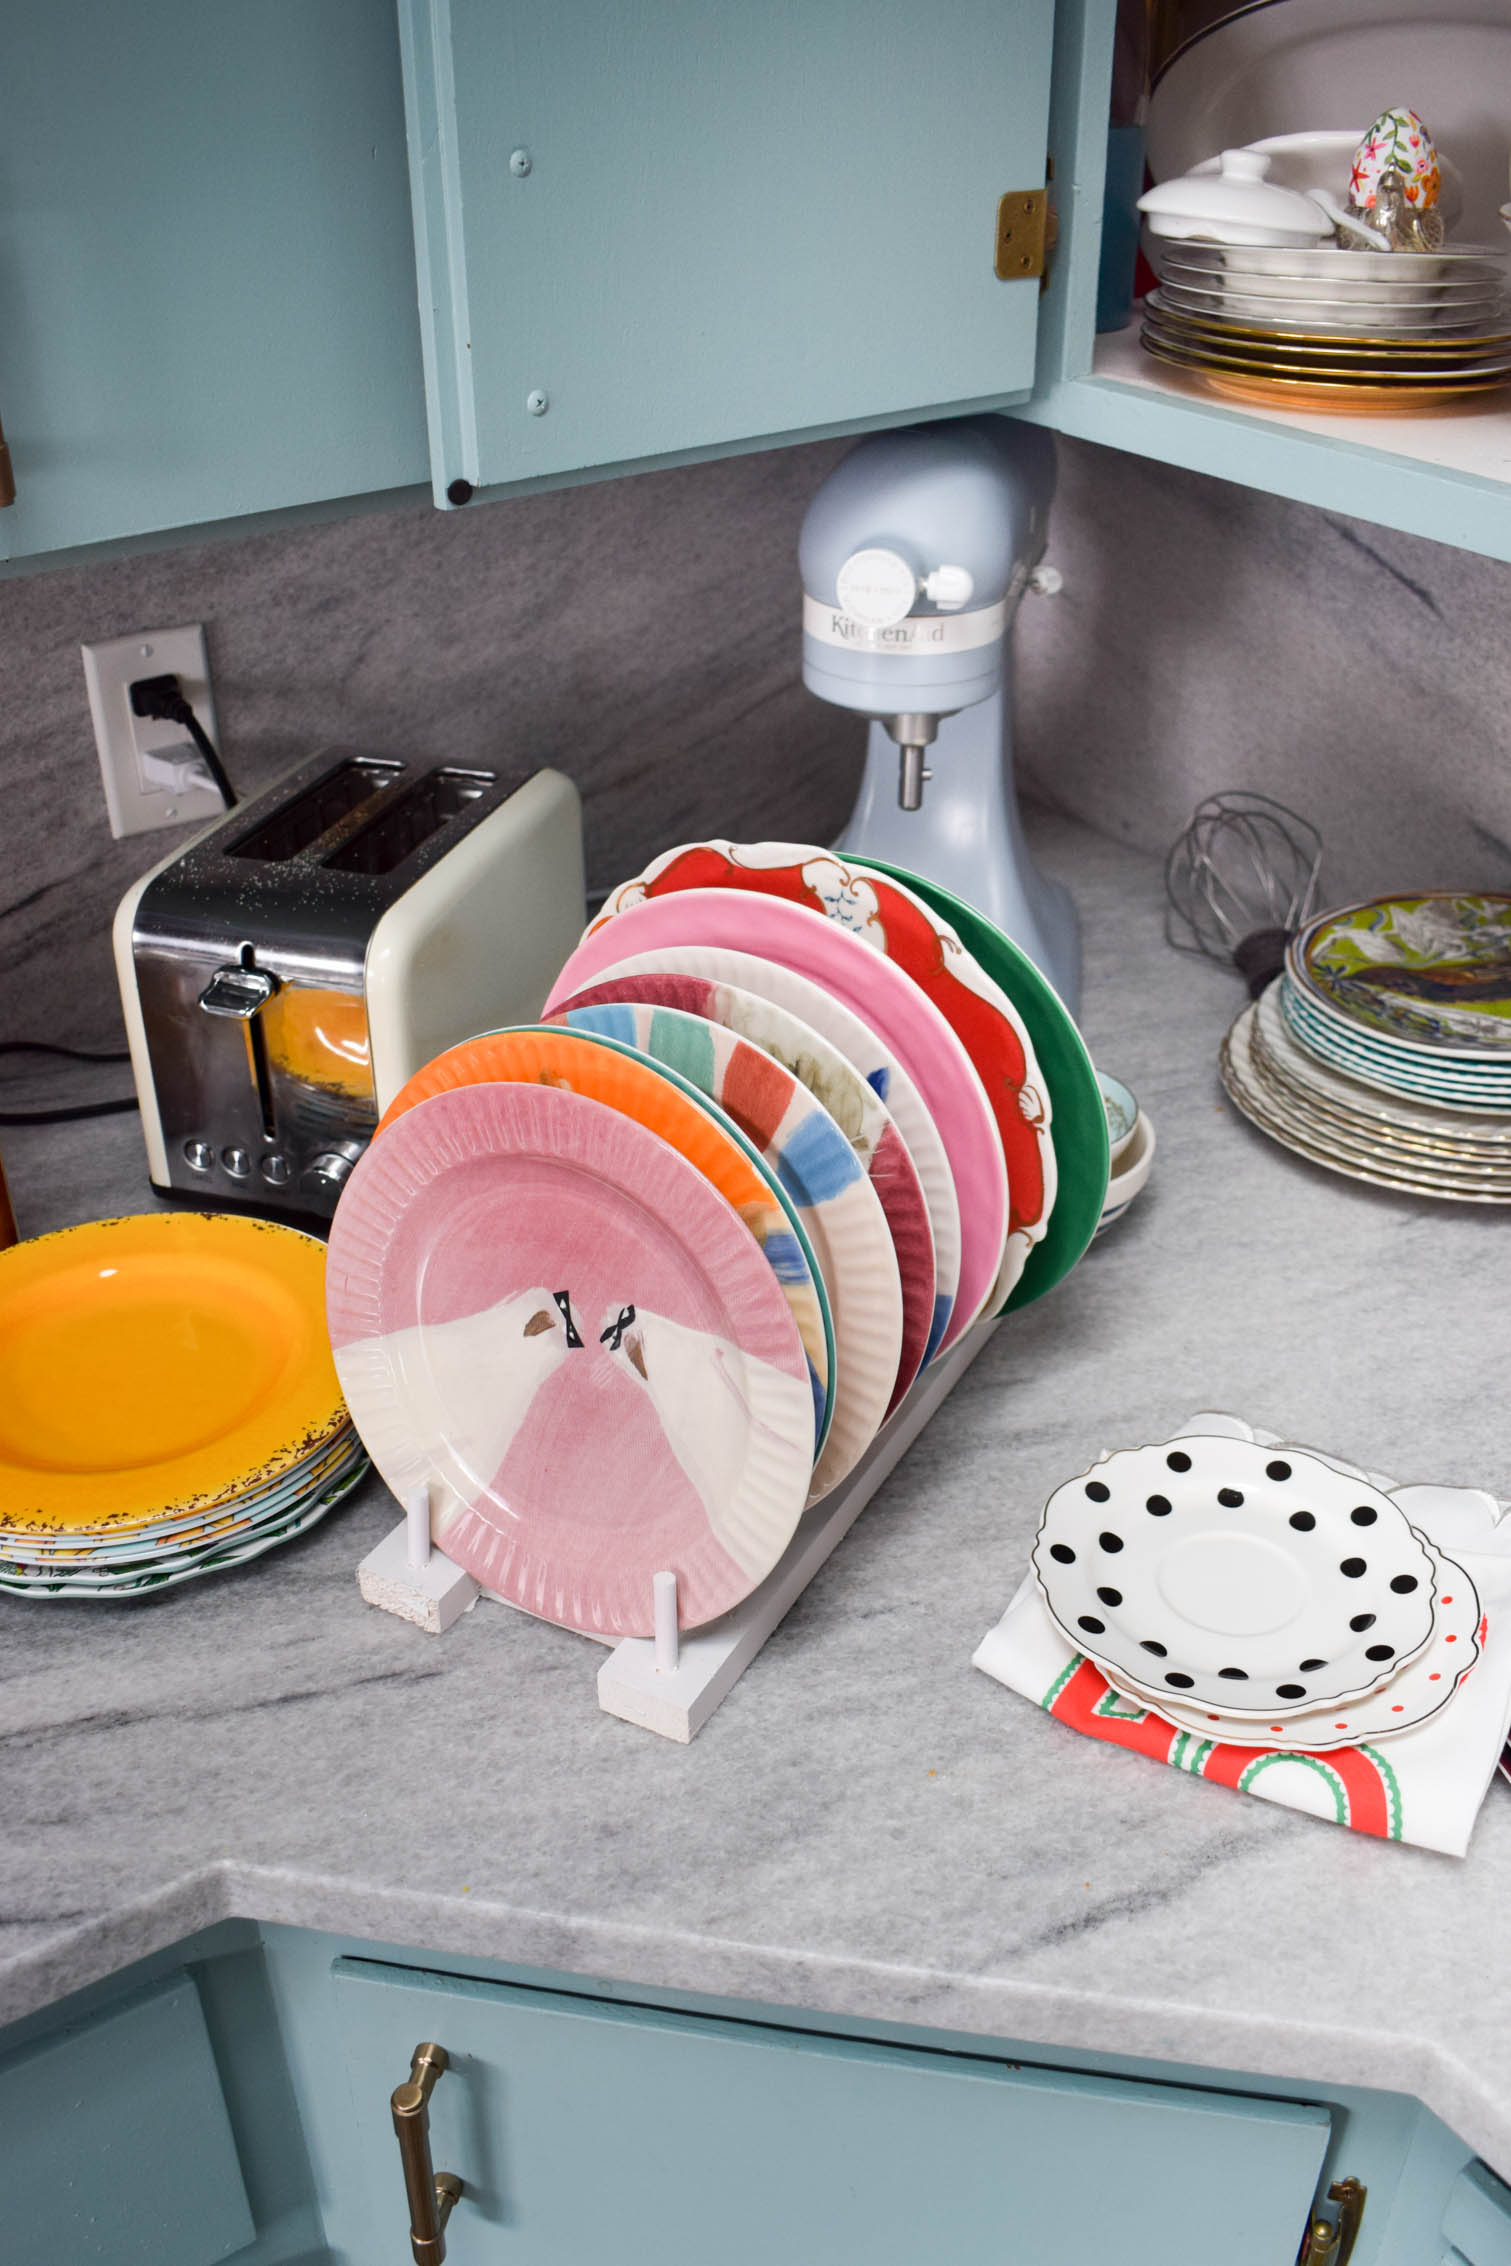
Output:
(868, 1826)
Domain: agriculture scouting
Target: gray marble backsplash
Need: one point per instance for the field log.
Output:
(642, 634)
(1208, 636)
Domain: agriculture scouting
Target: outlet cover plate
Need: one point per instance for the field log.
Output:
(139, 796)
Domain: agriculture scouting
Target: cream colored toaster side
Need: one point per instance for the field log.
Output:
(479, 939)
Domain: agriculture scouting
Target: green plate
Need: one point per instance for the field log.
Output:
(1078, 1123)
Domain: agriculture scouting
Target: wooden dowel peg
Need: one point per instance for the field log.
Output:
(664, 1587)
(417, 1515)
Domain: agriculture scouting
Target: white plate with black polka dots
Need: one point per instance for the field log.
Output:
(1418, 1691)
(1223, 1573)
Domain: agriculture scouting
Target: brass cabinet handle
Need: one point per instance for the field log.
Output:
(432, 2194)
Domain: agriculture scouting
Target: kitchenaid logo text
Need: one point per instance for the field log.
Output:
(924, 634)
(848, 631)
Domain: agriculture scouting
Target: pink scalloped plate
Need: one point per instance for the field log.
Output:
(879, 909)
(871, 986)
(545, 1315)
(785, 991)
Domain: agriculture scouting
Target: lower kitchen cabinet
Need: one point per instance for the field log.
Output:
(581, 2128)
(116, 2142)
(229, 2101)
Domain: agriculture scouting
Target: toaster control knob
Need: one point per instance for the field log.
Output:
(198, 1156)
(237, 1163)
(275, 1169)
(329, 1171)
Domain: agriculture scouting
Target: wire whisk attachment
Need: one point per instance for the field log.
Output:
(1240, 879)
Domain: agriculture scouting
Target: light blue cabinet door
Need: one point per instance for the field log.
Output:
(207, 291)
(661, 229)
(1477, 2222)
(115, 2145)
(586, 2129)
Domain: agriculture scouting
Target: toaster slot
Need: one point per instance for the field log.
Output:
(410, 820)
(299, 824)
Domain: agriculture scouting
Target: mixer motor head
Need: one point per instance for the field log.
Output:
(914, 554)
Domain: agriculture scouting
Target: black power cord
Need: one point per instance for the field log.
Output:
(63, 1116)
(164, 701)
(161, 699)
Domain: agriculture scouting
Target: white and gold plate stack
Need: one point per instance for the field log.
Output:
(1332, 328)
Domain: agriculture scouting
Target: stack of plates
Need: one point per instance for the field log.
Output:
(1266, 1598)
(626, 1289)
(1332, 328)
(1384, 1049)
(171, 1404)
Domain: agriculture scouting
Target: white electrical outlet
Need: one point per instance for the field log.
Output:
(153, 773)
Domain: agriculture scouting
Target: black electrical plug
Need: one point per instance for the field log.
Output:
(162, 699)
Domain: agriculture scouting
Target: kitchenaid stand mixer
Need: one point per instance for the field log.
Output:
(915, 553)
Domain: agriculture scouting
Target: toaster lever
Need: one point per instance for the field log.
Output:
(237, 991)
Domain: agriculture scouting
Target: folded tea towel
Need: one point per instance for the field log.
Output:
(1423, 1785)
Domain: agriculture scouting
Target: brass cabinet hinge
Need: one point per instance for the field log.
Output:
(1330, 2242)
(1027, 228)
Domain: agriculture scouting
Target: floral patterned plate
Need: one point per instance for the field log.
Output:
(1433, 971)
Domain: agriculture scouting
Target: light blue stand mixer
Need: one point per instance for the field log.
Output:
(915, 553)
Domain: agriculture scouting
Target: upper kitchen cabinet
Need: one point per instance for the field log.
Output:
(207, 292)
(684, 228)
(1442, 474)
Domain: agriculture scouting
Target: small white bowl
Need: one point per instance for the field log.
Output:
(1122, 1114)
(1129, 1174)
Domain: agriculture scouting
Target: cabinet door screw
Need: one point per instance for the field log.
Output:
(537, 402)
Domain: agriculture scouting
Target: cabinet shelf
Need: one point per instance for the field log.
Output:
(1444, 473)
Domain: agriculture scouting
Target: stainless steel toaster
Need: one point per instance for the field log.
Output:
(284, 974)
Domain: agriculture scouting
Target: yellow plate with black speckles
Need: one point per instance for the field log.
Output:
(153, 1367)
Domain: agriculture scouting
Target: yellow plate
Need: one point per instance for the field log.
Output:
(152, 1367)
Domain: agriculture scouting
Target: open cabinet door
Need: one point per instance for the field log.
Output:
(687, 226)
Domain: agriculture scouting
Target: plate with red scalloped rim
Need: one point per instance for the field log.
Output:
(893, 919)
(883, 995)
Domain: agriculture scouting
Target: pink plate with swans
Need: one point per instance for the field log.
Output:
(545, 1314)
(874, 988)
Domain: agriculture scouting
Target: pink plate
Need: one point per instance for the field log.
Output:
(873, 988)
(543, 1313)
(883, 913)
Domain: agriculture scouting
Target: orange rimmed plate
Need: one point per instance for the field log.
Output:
(153, 1367)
